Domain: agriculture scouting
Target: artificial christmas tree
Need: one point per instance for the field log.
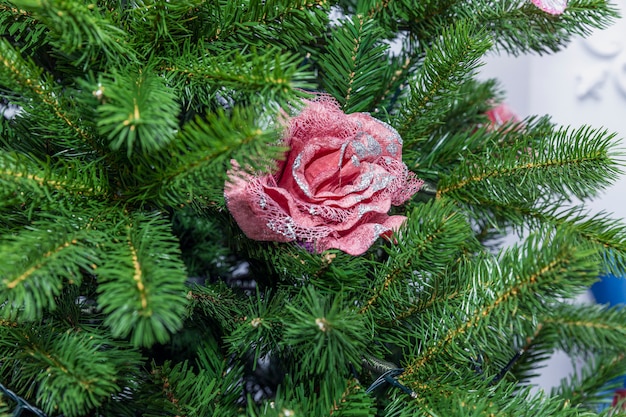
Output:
(177, 241)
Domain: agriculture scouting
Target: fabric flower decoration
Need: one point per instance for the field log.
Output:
(334, 189)
(555, 7)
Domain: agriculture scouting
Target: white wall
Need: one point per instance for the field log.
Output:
(583, 84)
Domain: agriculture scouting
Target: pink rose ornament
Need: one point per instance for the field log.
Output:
(340, 178)
(554, 7)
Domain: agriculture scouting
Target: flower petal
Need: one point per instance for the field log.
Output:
(358, 241)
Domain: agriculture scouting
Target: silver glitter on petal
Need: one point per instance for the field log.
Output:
(379, 229)
(366, 180)
(342, 153)
(394, 133)
(373, 147)
(392, 148)
(364, 208)
(395, 138)
(300, 181)
(355, 161)
(286, 228)
(312, 211)
(359, 149)
(263, 202)
(382, 181)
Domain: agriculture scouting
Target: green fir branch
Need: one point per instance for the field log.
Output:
(592, 386)
(587, 328)
(160, 26)
(464, 130)
(435, 233)
(137, 110)
(20, 74)
(451, 400)
(578, 162)
(22, 29)
(332, 270)
(448, 64)
(67, 371)
(270, 73)
(353, 65)
(206, 388)
(353, 400)
(517, 26)
(44, 113)
(31, 182)
(50, 254)
(192, 169)
(217, 303)
(521, 27)
(80, 28)
(141, 281)
(334, 396)
(599, 229)
(393, 14)
(324, 336)
(286, 24)
(260, 330)
(533, 350)
(522, 277)
(606, 233)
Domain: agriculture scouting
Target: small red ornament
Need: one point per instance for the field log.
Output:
(500, 115)
(619, 398)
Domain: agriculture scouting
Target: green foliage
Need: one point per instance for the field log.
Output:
(268, 72)
(206, 389)
(4, 408)
(340, 397)
(136, 107)
(77, 27)
(587, 328)
(435, 239)
(543, 33)
(599, 229)
(324, 337)
(81, 368)
(447, 65)
(532, 167)
(287, 23)
(34, 183)
(519, 283)
(192, 169)
(127, 288)
(142, 278)
(353, 67)
(588, 386)
(54, 252)
(259, 330)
